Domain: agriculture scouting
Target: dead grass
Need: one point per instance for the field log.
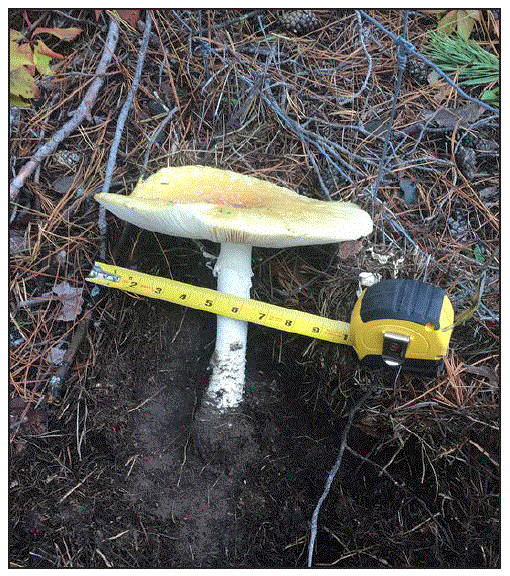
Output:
(256, 99)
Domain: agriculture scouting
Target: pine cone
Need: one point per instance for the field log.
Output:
(417, 70)
(466, 159)
(459, 225)
(299, 21)
(478, 143)
(469, 140)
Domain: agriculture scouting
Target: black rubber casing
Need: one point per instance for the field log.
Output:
(400, 299)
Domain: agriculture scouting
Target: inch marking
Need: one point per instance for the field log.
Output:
(221, 303)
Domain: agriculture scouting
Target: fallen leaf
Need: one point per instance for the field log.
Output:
(474, 14)
(15, 35)
(22, 84)
(410, 190)
(71, 299)
(433, 78)
(483, 371)
(18, 102)
(465, 24)
(17, 242)
(29, 420)
(63, 184)
(66, 34)
(490, 192)
(19, 55)
(43, 56)
(433, 11)
(130, 16)
(55, 355)
(448, 22)
(451, 117)
(348, 248)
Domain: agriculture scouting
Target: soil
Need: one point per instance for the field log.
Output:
(149, 489)
(212, 505)
(118, 480)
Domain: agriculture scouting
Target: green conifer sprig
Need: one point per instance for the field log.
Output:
(464, 59)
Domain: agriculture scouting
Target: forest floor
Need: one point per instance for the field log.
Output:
(103, 388)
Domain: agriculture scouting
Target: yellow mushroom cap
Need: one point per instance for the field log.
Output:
(223, 206)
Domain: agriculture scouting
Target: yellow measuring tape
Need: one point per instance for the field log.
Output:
(216, 302)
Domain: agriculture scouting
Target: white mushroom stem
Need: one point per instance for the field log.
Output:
(233, 270)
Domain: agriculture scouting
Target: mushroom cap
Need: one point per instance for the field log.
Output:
(223, 206)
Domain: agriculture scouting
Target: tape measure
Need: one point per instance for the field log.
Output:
(397, 323)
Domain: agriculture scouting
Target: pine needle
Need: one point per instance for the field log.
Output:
(466, 59)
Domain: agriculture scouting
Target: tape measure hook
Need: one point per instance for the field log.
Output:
(98, 272)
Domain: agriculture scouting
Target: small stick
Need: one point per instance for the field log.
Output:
(120, 127)
(80, 483)
(157, 132)
(58, 379)
(333, 473)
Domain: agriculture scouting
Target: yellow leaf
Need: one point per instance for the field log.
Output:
(43, 56)
(448, 22)
(18, 55)
(42, 63)
(22, 84)
(15, 35)
(17, 101)
(464, 24)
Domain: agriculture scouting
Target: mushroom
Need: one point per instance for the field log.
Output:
(239, 212)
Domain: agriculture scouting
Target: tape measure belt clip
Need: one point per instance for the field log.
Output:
(394, 348)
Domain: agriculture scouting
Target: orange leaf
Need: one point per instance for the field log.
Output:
(43, 49)
(97, 14)
(66, 34)
(130, 16)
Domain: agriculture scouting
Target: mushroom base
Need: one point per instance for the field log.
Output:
(223, 436)
(226, 386)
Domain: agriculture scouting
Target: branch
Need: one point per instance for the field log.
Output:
(120, 128)
(332, 474)
(81, 112)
